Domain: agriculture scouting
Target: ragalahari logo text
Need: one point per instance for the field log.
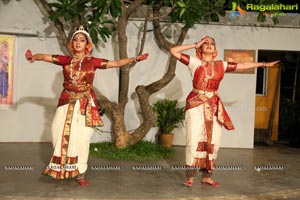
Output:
(267, 9)
(236, 10)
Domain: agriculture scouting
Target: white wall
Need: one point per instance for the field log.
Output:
(38, 85)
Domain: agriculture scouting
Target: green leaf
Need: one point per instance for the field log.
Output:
(169, 115)
(115, 8)
(214, 17)
(103, 36)
(93, 33)
(261, 17)
(117, 3)
(181, 12)
(97, 4)
(103, 12)
(275, 20)
(77, 3)
(54, 17)
(55, 5)
(181, 4)
(220, 3)
(192, 11)
(93, 11)
(222, 12)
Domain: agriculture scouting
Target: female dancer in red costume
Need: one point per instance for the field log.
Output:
(77, 112)
(205, 112)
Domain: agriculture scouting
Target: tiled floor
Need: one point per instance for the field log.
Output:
(265, 172)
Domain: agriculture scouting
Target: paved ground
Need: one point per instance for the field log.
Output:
(245, 174)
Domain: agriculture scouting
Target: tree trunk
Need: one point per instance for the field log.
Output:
(124, 138)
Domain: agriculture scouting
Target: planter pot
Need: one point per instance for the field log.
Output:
(166, 139)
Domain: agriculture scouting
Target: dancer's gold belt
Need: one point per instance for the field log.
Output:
(78, 95)
(208, 94)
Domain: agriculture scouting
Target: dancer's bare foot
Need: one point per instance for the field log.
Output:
(80, 179)
(189, 182)
(210, 181)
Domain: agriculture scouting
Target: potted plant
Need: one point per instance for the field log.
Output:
(169, 116)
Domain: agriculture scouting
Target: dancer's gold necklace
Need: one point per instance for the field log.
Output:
(75, 75)
(207, 77)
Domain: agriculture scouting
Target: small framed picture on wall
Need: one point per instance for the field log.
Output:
(7, 71)
(237, 55)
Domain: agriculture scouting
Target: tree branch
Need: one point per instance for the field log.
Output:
(183, 34)
(105, 103)
(161, 41)
(143, 40)
(132, 7)
(124, 71)
(165, 45)
(43, 5)
(165, 80)
(149, 116)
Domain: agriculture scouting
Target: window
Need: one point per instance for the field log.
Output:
(261, 75)
(261, 81)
